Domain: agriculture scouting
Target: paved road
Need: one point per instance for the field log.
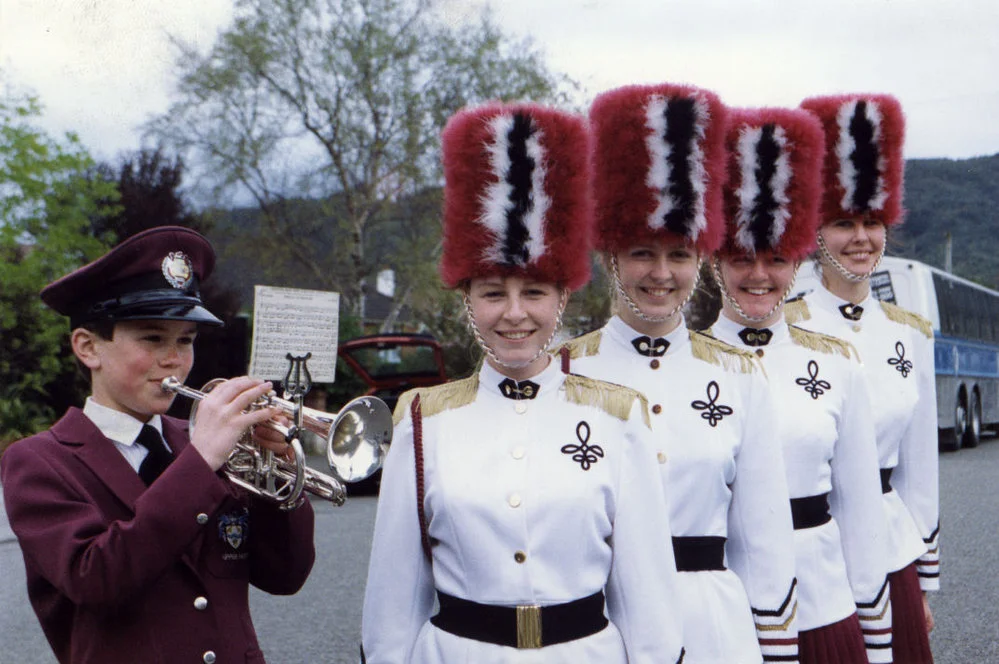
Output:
(322, 622)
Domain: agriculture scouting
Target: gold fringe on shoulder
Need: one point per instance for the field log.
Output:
(720, 353)
(822, 343)
(437, 399)
(615, 400)
(584, 346)
(905, 317)
(796, 311)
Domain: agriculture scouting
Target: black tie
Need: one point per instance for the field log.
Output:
(158, 458)
(650, 347)
(525, 389)
(755, 337)
(852, 311)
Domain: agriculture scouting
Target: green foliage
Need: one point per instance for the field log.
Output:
(47, 204)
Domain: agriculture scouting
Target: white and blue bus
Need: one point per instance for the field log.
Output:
(965, 318)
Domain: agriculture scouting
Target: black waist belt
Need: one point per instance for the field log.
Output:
(810, 511)
(699, 554)
(521, 626)
(886, 479)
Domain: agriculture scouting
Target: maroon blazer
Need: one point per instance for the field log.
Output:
(118, 572)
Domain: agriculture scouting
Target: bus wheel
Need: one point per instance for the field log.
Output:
(973, 432)
(951, 439)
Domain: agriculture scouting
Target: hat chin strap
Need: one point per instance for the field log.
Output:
(716, 271)
(852, 277)
(487, 349)
(634, 307)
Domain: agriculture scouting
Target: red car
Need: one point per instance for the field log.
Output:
(390, 364)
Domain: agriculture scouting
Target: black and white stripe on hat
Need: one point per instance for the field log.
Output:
(765, 174)
(515, 207)
(678, 173)
(861, 165)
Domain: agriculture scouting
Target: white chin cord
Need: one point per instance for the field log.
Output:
(634, 307)
(716, 271)
(473, 326)
(852, 277)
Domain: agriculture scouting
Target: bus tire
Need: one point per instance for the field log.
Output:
(973, 432)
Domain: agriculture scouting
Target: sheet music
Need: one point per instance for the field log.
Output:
(296, 321)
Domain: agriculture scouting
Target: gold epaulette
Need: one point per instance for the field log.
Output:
(717, 352)
(822, 343)
(437, 399)
(796, 311)
(584, 346)
(615, 400)
(905, 317)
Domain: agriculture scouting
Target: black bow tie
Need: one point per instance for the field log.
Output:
(525, 389)
(852, 311)
(650, 347)
(755, 337)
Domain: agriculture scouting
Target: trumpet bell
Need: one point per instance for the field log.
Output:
(359, 439)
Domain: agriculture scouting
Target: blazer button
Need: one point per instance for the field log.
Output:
(200, 603)
(202, 518)
(520, 556)
(208, 657)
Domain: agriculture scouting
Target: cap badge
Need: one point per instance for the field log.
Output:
(177, 269)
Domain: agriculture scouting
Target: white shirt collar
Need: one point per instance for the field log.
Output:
(116, 425)
(623, 333)
(827, 300)
(727, 330)
(548, 380)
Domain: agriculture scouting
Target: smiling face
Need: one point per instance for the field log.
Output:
(126, 370)
(757, 284)
(856, 244)
(516, 317)
(658, 278)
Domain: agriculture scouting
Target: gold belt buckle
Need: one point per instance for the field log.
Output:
(529, 626)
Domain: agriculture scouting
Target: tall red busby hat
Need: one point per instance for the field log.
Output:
(515, 195)
(863, 169)
(658, 166)
(774, 185)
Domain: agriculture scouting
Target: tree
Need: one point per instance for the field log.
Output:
(47, 204)
(340, 102)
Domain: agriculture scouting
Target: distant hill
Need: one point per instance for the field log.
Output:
(956, 196)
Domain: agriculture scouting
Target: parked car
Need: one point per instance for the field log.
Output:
(390, 364)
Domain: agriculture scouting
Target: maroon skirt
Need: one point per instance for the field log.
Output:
(910, 640)
(839, 643)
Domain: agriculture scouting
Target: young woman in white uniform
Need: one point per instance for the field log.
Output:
(658, 169)
(526, 501)
(824, 421)
(862, 182)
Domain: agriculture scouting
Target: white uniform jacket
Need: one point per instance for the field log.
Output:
(722, 471)
(534, 501)
(896, 347)
(826, 429)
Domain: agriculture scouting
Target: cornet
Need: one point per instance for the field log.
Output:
(356, 441)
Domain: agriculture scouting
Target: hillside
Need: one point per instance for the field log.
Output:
(956, 196)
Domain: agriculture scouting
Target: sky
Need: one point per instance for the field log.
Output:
(103, 67)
